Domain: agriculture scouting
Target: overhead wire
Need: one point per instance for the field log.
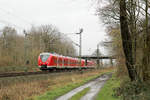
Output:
(14, 16)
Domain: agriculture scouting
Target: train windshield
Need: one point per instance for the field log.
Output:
(44, 57)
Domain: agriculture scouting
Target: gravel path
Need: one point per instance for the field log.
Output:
(94, 85)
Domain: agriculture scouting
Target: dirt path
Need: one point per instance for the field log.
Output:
(94, 85)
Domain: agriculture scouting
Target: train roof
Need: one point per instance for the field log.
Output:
(44, 53)
(55, 54)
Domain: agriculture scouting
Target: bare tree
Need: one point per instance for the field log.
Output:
(16, 49)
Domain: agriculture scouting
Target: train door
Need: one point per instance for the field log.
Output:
(57, 61)
(60, 62)
(63, 62)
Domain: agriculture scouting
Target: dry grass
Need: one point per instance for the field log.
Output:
(23, 88)
(25, 68)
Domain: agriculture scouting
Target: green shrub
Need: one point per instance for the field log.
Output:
(135, 90)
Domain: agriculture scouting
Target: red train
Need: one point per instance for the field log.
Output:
(47, 61)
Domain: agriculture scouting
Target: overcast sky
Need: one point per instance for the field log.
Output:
(68, 15)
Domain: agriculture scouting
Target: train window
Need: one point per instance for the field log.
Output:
(44, 57)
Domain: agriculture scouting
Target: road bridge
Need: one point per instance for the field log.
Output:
(98, 59)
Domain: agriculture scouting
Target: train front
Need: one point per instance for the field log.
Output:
(44, 61)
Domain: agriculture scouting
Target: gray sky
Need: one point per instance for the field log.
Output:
(68, 15)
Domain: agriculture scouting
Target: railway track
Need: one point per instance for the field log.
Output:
(13, 74)
(21, 74)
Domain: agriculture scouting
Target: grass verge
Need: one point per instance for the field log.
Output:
(58, 91)
(80, 94)
(107, 92)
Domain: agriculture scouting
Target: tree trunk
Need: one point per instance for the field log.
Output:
(146, 57)
(127, 41)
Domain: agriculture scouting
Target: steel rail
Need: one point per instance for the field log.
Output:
(15, 74)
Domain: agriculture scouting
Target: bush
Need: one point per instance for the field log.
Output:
(135, 90)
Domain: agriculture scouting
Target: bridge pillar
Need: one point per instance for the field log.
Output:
(85, 62)
(101, 63)
(111, 62)
(98, 64)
